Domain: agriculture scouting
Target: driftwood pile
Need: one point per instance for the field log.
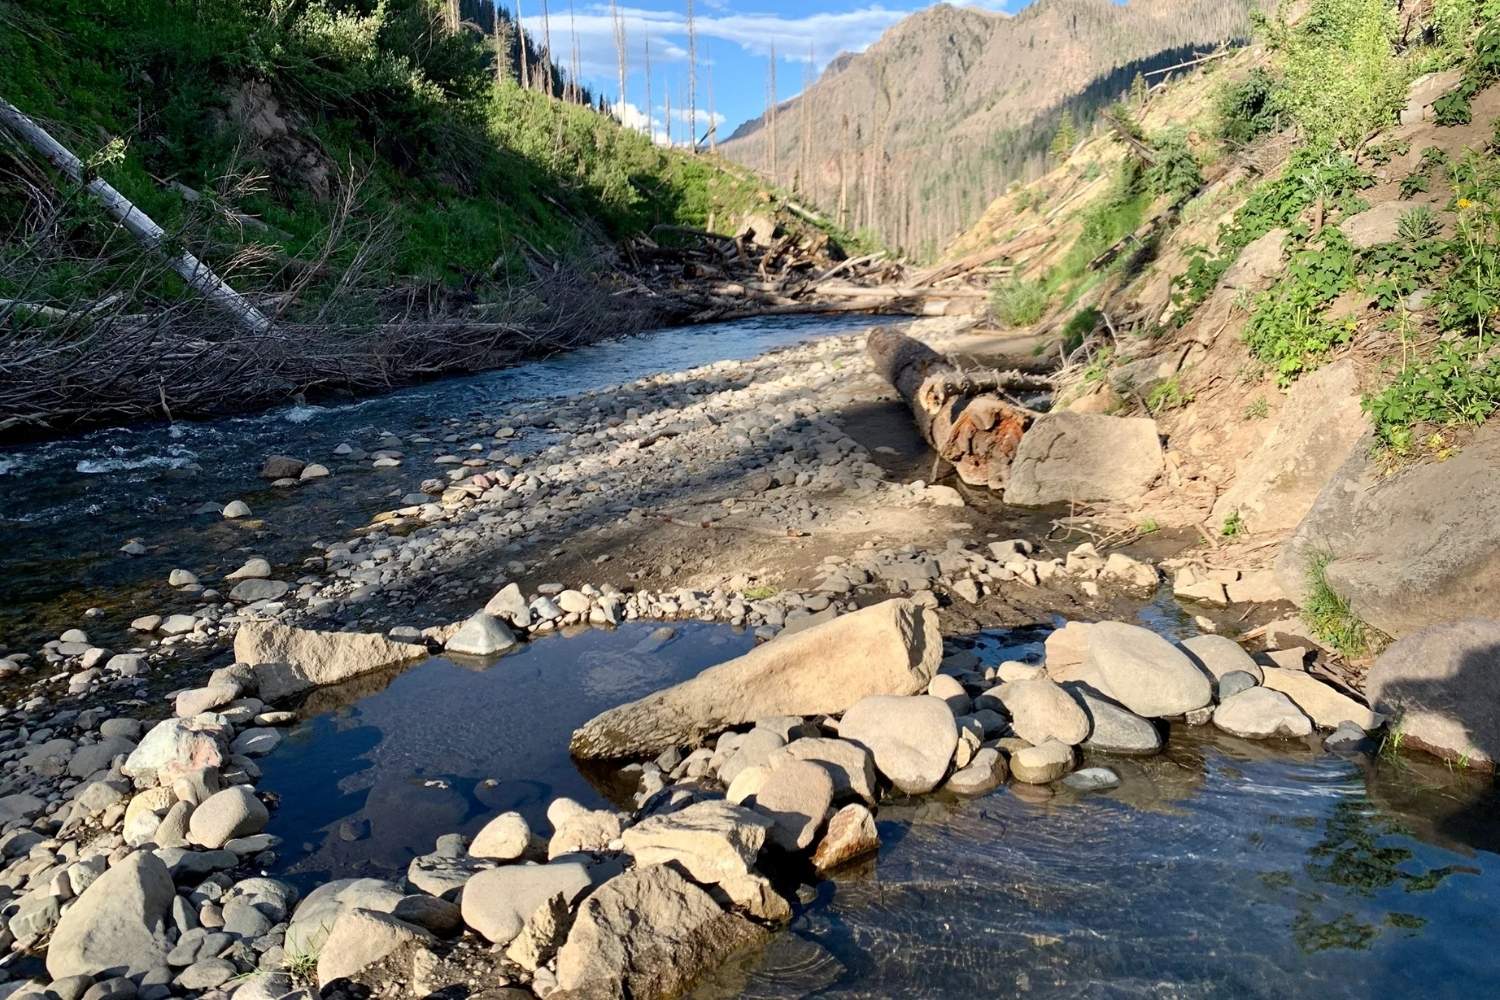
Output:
(967, 417)
(767, 268)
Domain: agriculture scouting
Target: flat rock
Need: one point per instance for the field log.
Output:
(888, 648)
(360, 938)
(1220, 655)
(713, 841)
(985, 773)
(911, 738)
(1039, 765)
(1323, 703)
(289, 660)
(482, 634)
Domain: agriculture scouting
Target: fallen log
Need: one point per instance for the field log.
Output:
(966, 421)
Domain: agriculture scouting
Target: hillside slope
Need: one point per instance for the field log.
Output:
(366, 173)
(1293, 266)
(915, 135)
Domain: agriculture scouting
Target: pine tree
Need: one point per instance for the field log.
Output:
(1066, 137)
(1138, 91)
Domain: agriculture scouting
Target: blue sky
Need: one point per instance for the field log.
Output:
(734, 48)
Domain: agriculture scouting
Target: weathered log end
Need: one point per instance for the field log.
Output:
(967, 423)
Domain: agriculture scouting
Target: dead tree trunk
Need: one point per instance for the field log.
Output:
(965, 420)
(197, 274)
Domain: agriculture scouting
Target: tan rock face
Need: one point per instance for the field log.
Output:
(648, 933)
(1080, 456)
(713, 841)
(290, 660)
(888, 648)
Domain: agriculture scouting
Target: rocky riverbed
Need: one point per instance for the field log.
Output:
(782, 494)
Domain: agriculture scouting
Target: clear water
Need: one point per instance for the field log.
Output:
(1221, 868)
(67, 506)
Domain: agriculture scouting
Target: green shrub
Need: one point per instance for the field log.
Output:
(1343, 79)
(1168, 395)
(1175, 172)
(1017, 302)
(1234, 525)
(1079, 326)
(1469, 298)
(1249, 109)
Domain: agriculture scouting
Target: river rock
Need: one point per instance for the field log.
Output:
(795, 796)
(713, 841)
(1113, 728)
(648, 933)
(289, 660)
(496, 903)
(1065, 650)
(1039, 765)
(1234, 682)
(1324, 704)
(1317, 426)
(888, 648)
(1442, 684)
(281, 467)
(850, 765)
(1220, 655)
(119, 924)
(1261, 713)
(1084, 457)
(985, 773)
(236, 509)
(911, 738)
(317, 913)
(196, 701)
(851, 834)
(1144, 672)
(173, 748)
(250, 591)
(504, 838)
(1379, 529)
(1040, 710)
(480, 635)
(360, 938)
(234, 812)
(254, 568)
(509, 604)
(1092, 779)
(754, 750)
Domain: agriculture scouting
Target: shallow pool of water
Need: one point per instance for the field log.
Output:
(380, 767)
(1220, 868)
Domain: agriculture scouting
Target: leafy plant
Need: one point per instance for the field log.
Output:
(1149, 526)
(1017, 302)
(1287, 330)
(1417, 224)
(1470, 296)
(1330, 617)
(1414, 183)
(1257, 409)
(1082, 323)
(1233, 526)
(759, 593)
(1459, 384)
(1098, 366)
(1396, 270)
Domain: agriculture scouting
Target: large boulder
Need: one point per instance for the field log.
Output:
(911, 739)
(1144, 672)
(1316, 428)
(1084, 456)
(1442, 687)
(888, 648)
(648, 933)
(289, 660)
(120, 923)
(360, 938)
(1408, 550)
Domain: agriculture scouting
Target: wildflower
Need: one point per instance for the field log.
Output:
(1465, 203)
